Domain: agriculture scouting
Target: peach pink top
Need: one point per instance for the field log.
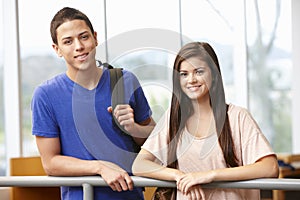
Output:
(204, 154)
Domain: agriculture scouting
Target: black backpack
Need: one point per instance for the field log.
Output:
(117, 96)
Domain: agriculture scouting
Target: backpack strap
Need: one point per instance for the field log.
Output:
(117, 89)
(116, 86)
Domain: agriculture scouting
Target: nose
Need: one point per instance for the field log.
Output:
(78, 45)
(192, 77)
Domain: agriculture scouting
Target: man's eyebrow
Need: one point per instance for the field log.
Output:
(68, 37)
(82, 33)
(65, 38)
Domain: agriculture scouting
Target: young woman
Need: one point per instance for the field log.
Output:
(202, 139)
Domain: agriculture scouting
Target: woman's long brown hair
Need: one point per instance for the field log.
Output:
(180, 102)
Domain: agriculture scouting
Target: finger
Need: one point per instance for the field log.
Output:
(125, 120)
(180, 186)
(129, 182)
(123, 185)
(191, 195)
(124, 112)
(183, 186)
(186, 187)
(197, 194)
(122, 106)
(194, 195)
(112, 186)
(118, 187)
(202, 194)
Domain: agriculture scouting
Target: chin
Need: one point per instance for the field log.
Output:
(194, 96)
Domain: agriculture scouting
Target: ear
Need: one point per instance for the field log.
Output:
(95, 37)
(56, 49)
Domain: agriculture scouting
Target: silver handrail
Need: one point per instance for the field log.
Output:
(88, 182)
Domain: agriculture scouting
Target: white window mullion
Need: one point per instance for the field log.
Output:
(11, 82)
(240, 57)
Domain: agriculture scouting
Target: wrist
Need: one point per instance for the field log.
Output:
(97, 167)
(177, 175)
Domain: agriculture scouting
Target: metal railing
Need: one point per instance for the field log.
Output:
(88, 182)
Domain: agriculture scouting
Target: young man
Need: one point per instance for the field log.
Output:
(72, 115)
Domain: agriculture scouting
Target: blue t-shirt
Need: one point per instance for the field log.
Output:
(79, 117)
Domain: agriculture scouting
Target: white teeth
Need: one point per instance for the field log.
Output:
(193, 87)
(81, 57)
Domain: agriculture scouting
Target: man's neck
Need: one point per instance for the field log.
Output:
(88, 79)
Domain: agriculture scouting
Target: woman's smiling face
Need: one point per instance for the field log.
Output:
(195, 78)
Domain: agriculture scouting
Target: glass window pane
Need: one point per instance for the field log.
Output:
(124, 16)
(143, 37)
(38, 60)
(218, 23)
(270, 69)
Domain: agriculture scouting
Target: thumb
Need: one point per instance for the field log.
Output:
(109, 109)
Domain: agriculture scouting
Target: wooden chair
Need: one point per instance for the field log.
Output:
(148, 193)
(287, 172)
(31, 166)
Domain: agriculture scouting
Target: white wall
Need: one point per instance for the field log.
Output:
(296, 72)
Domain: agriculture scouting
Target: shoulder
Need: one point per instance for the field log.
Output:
(128, 74)
(241, 117)
(234, 110)
(125, 72)
(50, 85)
(53, 81)
(130, 78)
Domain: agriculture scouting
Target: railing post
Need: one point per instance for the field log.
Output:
(88, 191)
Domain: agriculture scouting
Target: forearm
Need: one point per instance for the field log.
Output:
(161, 173)
(150, 169)
(265, 168)
(140, 132)
(69, 166)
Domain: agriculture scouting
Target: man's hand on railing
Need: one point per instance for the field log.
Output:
(117, 178)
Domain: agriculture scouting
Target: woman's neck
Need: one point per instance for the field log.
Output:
(201, 106)
(201, 123)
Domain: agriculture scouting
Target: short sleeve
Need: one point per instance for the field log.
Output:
(43, 122)
(157, 142)
(248, 137)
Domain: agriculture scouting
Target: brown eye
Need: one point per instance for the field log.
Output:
(199, 71)
(67, 42)
(183, 74)
(84, 37)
